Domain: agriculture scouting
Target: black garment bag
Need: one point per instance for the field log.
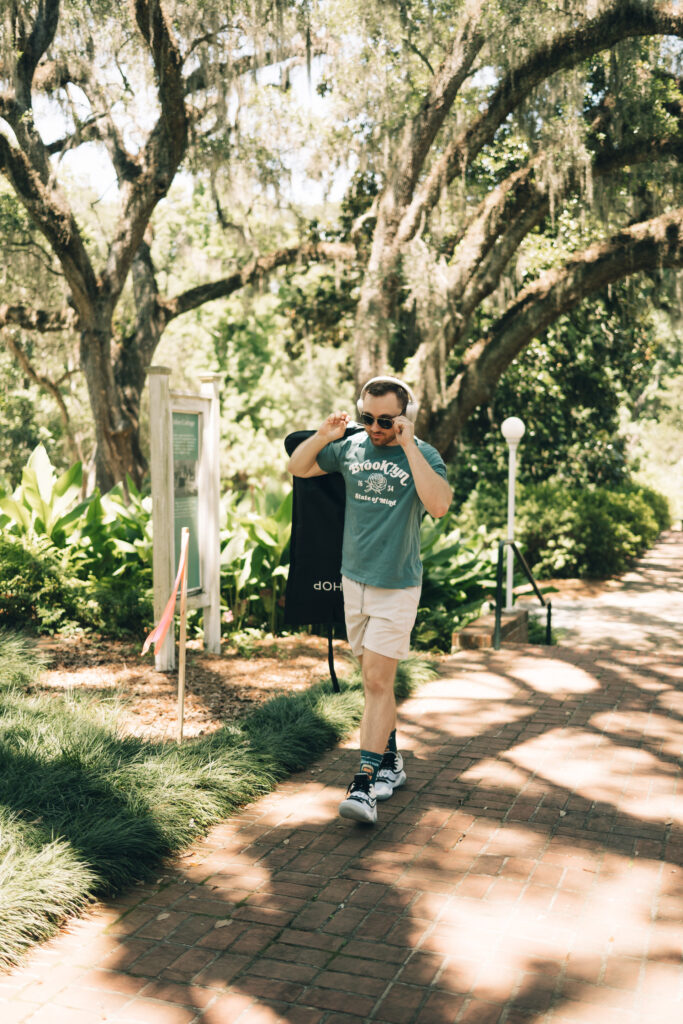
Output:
(314, 592)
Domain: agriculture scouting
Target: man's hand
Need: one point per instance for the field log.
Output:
(405, 431)
(334, 427)
(304, 458)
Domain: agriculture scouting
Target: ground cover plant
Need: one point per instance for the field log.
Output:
(67, 562)
(86, 811)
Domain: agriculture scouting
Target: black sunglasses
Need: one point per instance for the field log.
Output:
(383, 422)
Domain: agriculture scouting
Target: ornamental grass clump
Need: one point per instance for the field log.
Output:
(86, 811)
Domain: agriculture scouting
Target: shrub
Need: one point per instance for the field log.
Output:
(546, 527)
(255, 558)
(66, 562)
(594, 532)
(659, 504)
(613, 529)
(37, 592)
(43, 508)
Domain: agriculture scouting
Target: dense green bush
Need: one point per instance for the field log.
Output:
(594, 532)
(67, 562)
(570, 531)
(37, 592)
(659, 505)
(255, 558)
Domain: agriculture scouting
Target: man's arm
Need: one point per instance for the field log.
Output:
(303, 459)
(433, 491)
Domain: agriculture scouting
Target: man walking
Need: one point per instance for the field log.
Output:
(391, 479)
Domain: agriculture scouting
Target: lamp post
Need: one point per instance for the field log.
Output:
(513, 431)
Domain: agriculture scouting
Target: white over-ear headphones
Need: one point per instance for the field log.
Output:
(412, 406)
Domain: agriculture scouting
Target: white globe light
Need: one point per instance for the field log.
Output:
(512, 429)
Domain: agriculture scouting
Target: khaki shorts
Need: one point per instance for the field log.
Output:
(379, 619)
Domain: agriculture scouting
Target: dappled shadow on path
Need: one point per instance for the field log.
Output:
(530, 867)
(642, 609)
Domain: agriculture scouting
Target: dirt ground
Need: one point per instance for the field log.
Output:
(219, 687)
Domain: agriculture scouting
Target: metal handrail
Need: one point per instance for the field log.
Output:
(502, 544)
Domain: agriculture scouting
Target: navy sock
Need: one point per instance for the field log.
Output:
(391, 743)
(370, 762)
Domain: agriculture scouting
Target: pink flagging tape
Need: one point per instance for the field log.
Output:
(157, 635)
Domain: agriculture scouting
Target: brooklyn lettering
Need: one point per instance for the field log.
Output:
(388, 468)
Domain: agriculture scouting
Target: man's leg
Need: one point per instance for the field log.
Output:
(379, 720)
(379, 714)
(384, 618)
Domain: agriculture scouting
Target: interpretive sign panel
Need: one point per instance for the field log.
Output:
(187, 431)
(184, 443)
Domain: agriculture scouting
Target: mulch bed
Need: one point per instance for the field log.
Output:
(219, 687)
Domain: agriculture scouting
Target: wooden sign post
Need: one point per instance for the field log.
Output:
(184, 435)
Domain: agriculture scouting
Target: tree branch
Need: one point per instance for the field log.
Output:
(29, 44)
(521, 204)
(164, 149)
(623, 19)
(198, 81)
(51, 75)
(650, 245)
(378, 297)
(421, 131)
(516, 207)
(255, 270)
(48, 385)
(37, 319)
(49, 211)
(149, 316)
(31, 47)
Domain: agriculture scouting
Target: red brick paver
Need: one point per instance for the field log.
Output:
(531, 870)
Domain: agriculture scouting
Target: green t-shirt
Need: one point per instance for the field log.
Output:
(381, 544)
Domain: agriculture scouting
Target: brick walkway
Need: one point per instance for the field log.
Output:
(530, 871)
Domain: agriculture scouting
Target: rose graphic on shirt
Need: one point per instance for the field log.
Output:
(375, 483)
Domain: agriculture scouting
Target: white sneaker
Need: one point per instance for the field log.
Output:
(390, 775)
(360, 803)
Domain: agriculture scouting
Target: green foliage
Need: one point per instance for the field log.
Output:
(255, 559)
(266, 393)
(113, 552)
(38, 592)
(594, 532)
(655, 439)
(43, 882)
(21, 661)
(569, 388)
(66, 562)
(26, 420)
(659, 506)
(85, 812)
(42, 509)
(538, 621)
(458, 577)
